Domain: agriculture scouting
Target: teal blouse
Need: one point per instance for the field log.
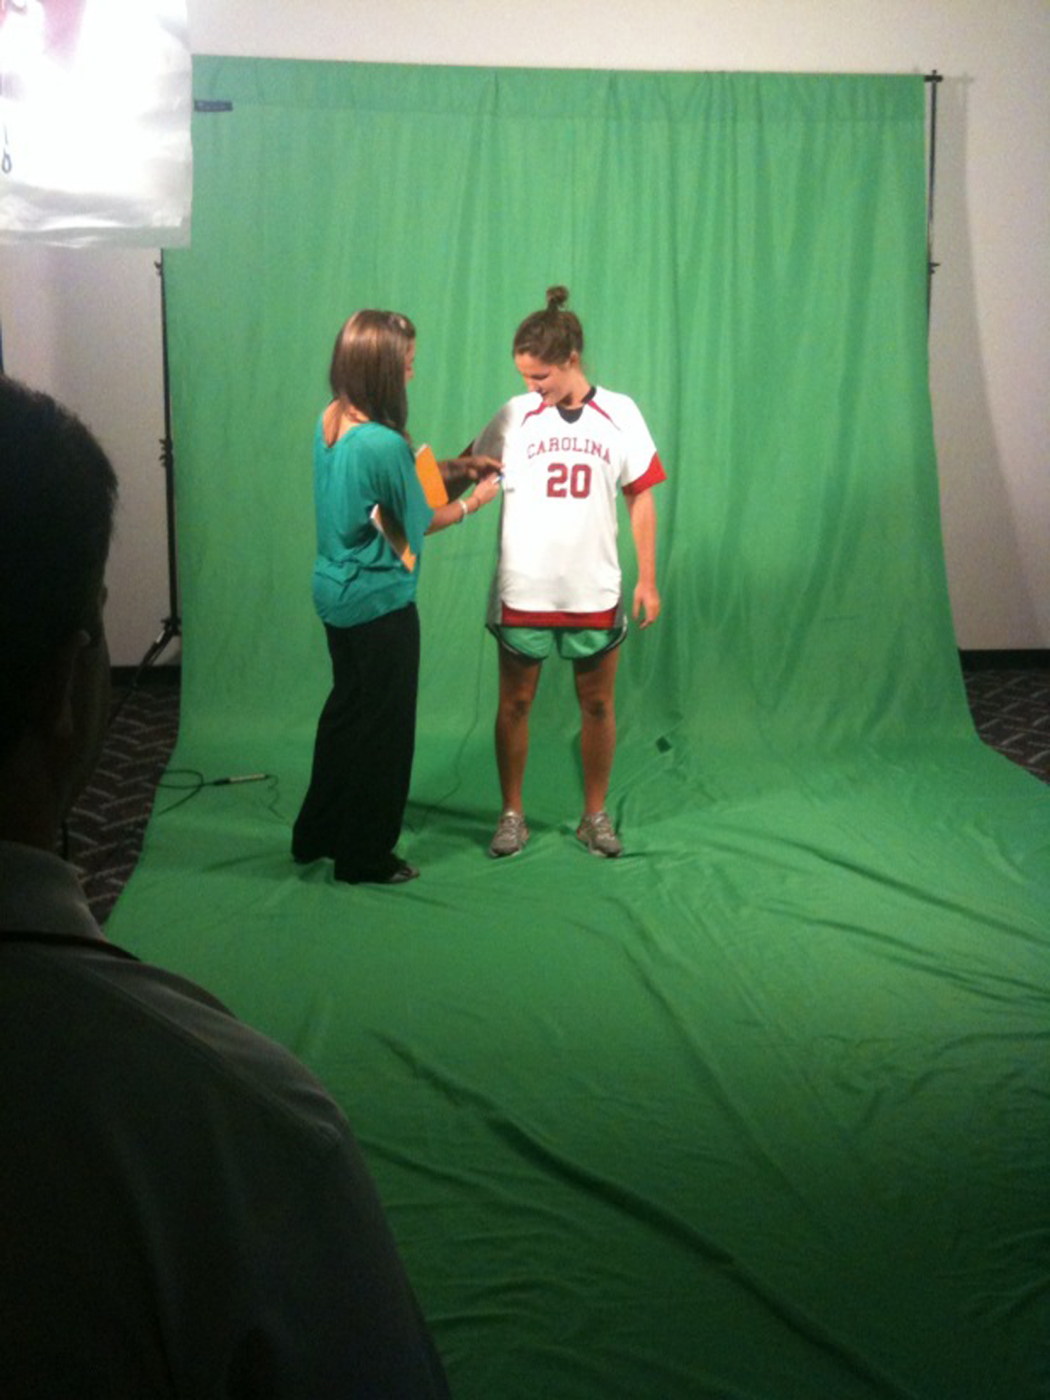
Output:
(357, 574)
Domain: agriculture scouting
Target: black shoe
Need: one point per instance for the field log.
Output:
(402, 874)
(308, 857)
(305, 851)
(396, 872)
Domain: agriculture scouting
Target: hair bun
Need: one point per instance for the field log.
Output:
(552, 335)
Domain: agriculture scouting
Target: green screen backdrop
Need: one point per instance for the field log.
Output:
(759, 1111)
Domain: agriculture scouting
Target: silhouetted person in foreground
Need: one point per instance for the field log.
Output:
(183, 1208)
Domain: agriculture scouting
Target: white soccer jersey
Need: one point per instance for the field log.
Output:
(562, 469)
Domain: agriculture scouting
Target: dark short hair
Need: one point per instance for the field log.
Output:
(58, 493)
(368, 365)
(550, 335)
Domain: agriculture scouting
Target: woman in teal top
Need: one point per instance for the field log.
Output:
(372, 515)
(357, 575)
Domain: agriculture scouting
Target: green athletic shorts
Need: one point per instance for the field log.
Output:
(573, 643)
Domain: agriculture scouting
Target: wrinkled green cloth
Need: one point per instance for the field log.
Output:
(760, 1109)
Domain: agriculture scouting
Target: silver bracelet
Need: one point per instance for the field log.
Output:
(463, 507)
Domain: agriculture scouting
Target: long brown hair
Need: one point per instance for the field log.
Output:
(550, 335)
(368, 366)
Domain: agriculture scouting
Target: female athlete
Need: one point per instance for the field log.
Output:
(567, 447)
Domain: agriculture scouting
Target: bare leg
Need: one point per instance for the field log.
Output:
(595, 690)
(518, 679)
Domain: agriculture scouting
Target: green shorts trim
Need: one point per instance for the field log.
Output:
(572, 643)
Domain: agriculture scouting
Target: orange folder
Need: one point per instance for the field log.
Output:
(433, 485)
(430, 477)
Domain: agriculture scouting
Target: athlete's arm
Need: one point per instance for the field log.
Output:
(641, 509)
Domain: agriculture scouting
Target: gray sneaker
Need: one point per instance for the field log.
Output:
(598, 836)
(511, 835)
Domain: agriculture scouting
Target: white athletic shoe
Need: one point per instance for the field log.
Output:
(511, 835)
(598, 836)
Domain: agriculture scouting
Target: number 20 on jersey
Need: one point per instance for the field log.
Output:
(563, 480)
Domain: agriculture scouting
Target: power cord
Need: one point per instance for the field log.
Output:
(197, 782)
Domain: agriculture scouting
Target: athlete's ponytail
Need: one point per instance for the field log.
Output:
(553, 334)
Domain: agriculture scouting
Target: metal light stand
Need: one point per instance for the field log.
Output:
(171, 627)
(934, 80)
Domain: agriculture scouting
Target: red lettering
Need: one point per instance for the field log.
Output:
(562, 482)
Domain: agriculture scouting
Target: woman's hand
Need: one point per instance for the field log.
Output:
(458, 472)
(486, 490)
(457, 511)
(646, 604)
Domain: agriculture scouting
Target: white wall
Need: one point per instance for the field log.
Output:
(86, 323)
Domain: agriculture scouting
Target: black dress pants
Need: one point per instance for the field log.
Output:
(366, 738)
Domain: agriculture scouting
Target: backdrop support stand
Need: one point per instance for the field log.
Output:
(934, 80)
(171, 626)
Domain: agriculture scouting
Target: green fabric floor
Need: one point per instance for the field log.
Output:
(762, 1110)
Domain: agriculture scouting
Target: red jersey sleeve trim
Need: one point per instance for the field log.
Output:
(652, 476)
